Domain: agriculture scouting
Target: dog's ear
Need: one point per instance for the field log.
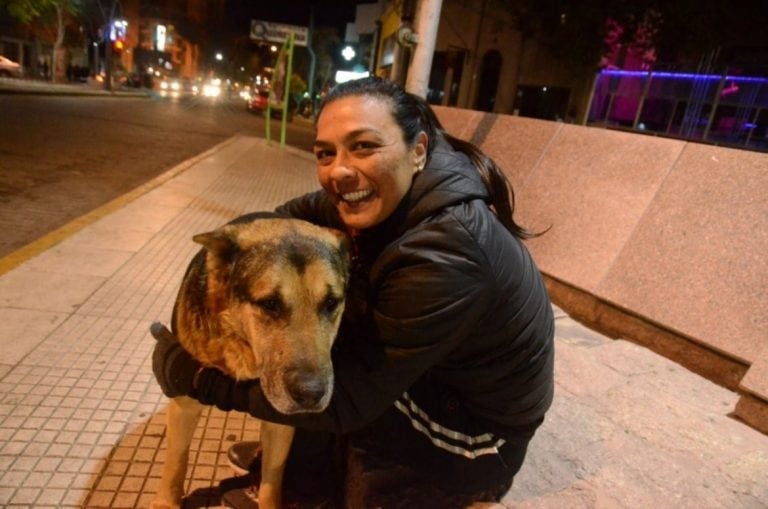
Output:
(345, 244)
(221, 242)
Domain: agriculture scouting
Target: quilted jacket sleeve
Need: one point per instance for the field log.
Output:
(429, 296)
(314, 207)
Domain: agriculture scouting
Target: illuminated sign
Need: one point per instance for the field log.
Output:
(160, 38)
(117, 30)
(278, 32)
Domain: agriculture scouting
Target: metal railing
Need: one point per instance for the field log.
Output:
(719, 109)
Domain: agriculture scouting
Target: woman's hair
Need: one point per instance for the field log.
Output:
(414, 115)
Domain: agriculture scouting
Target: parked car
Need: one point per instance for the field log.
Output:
(257, 103)
(9, 68)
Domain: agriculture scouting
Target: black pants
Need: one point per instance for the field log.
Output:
(390, 464)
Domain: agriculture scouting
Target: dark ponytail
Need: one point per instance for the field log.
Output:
(501, 194)
(414, 115)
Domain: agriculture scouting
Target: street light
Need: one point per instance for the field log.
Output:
(348, 53)
(219, 57)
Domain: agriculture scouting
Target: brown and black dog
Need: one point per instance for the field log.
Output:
(262, 299)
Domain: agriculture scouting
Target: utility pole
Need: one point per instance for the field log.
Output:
(312, 59)
(427, 21)
(108, 58)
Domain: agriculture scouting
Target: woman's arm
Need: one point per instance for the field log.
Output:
(428, 300)
(314, 207)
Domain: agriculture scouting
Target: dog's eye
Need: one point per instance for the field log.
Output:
(329, 305)
(272, 305)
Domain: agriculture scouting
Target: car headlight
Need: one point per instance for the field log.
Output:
(210, 90)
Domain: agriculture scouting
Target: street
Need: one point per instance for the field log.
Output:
(61, 157)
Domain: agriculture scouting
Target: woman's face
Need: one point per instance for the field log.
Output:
(362, 161)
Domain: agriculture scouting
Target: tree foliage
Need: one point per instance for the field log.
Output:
(576, 30)
(27, 11)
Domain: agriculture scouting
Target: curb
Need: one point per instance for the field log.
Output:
(27, 87)
(34, 248)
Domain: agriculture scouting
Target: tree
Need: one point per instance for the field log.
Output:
(580, 31)
(48, 13)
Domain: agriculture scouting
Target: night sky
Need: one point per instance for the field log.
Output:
(332, 13)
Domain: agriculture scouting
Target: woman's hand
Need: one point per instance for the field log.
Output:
(174, 367)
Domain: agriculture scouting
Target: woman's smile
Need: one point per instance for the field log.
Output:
(357, 196)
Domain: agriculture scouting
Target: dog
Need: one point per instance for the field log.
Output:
(262, 299)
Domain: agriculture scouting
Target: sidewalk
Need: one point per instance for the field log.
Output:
(27, 86)
(82, 418)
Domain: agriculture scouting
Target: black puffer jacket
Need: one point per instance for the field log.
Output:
(443, 301)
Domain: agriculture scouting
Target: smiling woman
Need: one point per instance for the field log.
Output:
(444, 359)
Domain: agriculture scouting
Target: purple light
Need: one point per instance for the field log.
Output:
(732, 89)
(682, 75)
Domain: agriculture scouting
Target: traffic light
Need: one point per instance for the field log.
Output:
(117, 32)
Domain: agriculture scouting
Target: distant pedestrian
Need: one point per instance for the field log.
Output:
(444, 360)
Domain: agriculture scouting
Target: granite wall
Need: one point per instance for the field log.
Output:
(660, 241)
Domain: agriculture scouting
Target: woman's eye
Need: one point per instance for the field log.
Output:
(323, 155)
(364, 145)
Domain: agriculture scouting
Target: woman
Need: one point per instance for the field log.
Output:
(444, 362)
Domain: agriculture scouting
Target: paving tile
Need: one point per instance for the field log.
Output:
(101, 236)
(132, 484)
(6, 494)
(124, 499)
(75, 497)
(101, 498)
(52, 496)
(13, 478)
(31, 325)
(67, 258)
(44, 291)
(24, 496)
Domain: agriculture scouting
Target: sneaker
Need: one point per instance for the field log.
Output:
(245, 457)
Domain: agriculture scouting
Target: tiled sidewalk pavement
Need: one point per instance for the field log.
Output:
(81, 417)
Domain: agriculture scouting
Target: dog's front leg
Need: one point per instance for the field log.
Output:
(183, 415)
(275, 443)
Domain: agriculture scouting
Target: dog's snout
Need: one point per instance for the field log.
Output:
(306, 388)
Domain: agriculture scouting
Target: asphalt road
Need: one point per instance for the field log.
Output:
(61, 157)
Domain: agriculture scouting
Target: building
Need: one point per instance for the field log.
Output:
(168, 37)
(481, 60)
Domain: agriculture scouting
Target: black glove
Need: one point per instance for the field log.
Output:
(179, 374)
(174, 368)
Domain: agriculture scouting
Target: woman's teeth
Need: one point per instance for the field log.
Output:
(356, 196)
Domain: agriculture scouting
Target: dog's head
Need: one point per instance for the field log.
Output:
(278, 288)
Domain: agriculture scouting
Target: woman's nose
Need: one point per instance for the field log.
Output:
(342, 169)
